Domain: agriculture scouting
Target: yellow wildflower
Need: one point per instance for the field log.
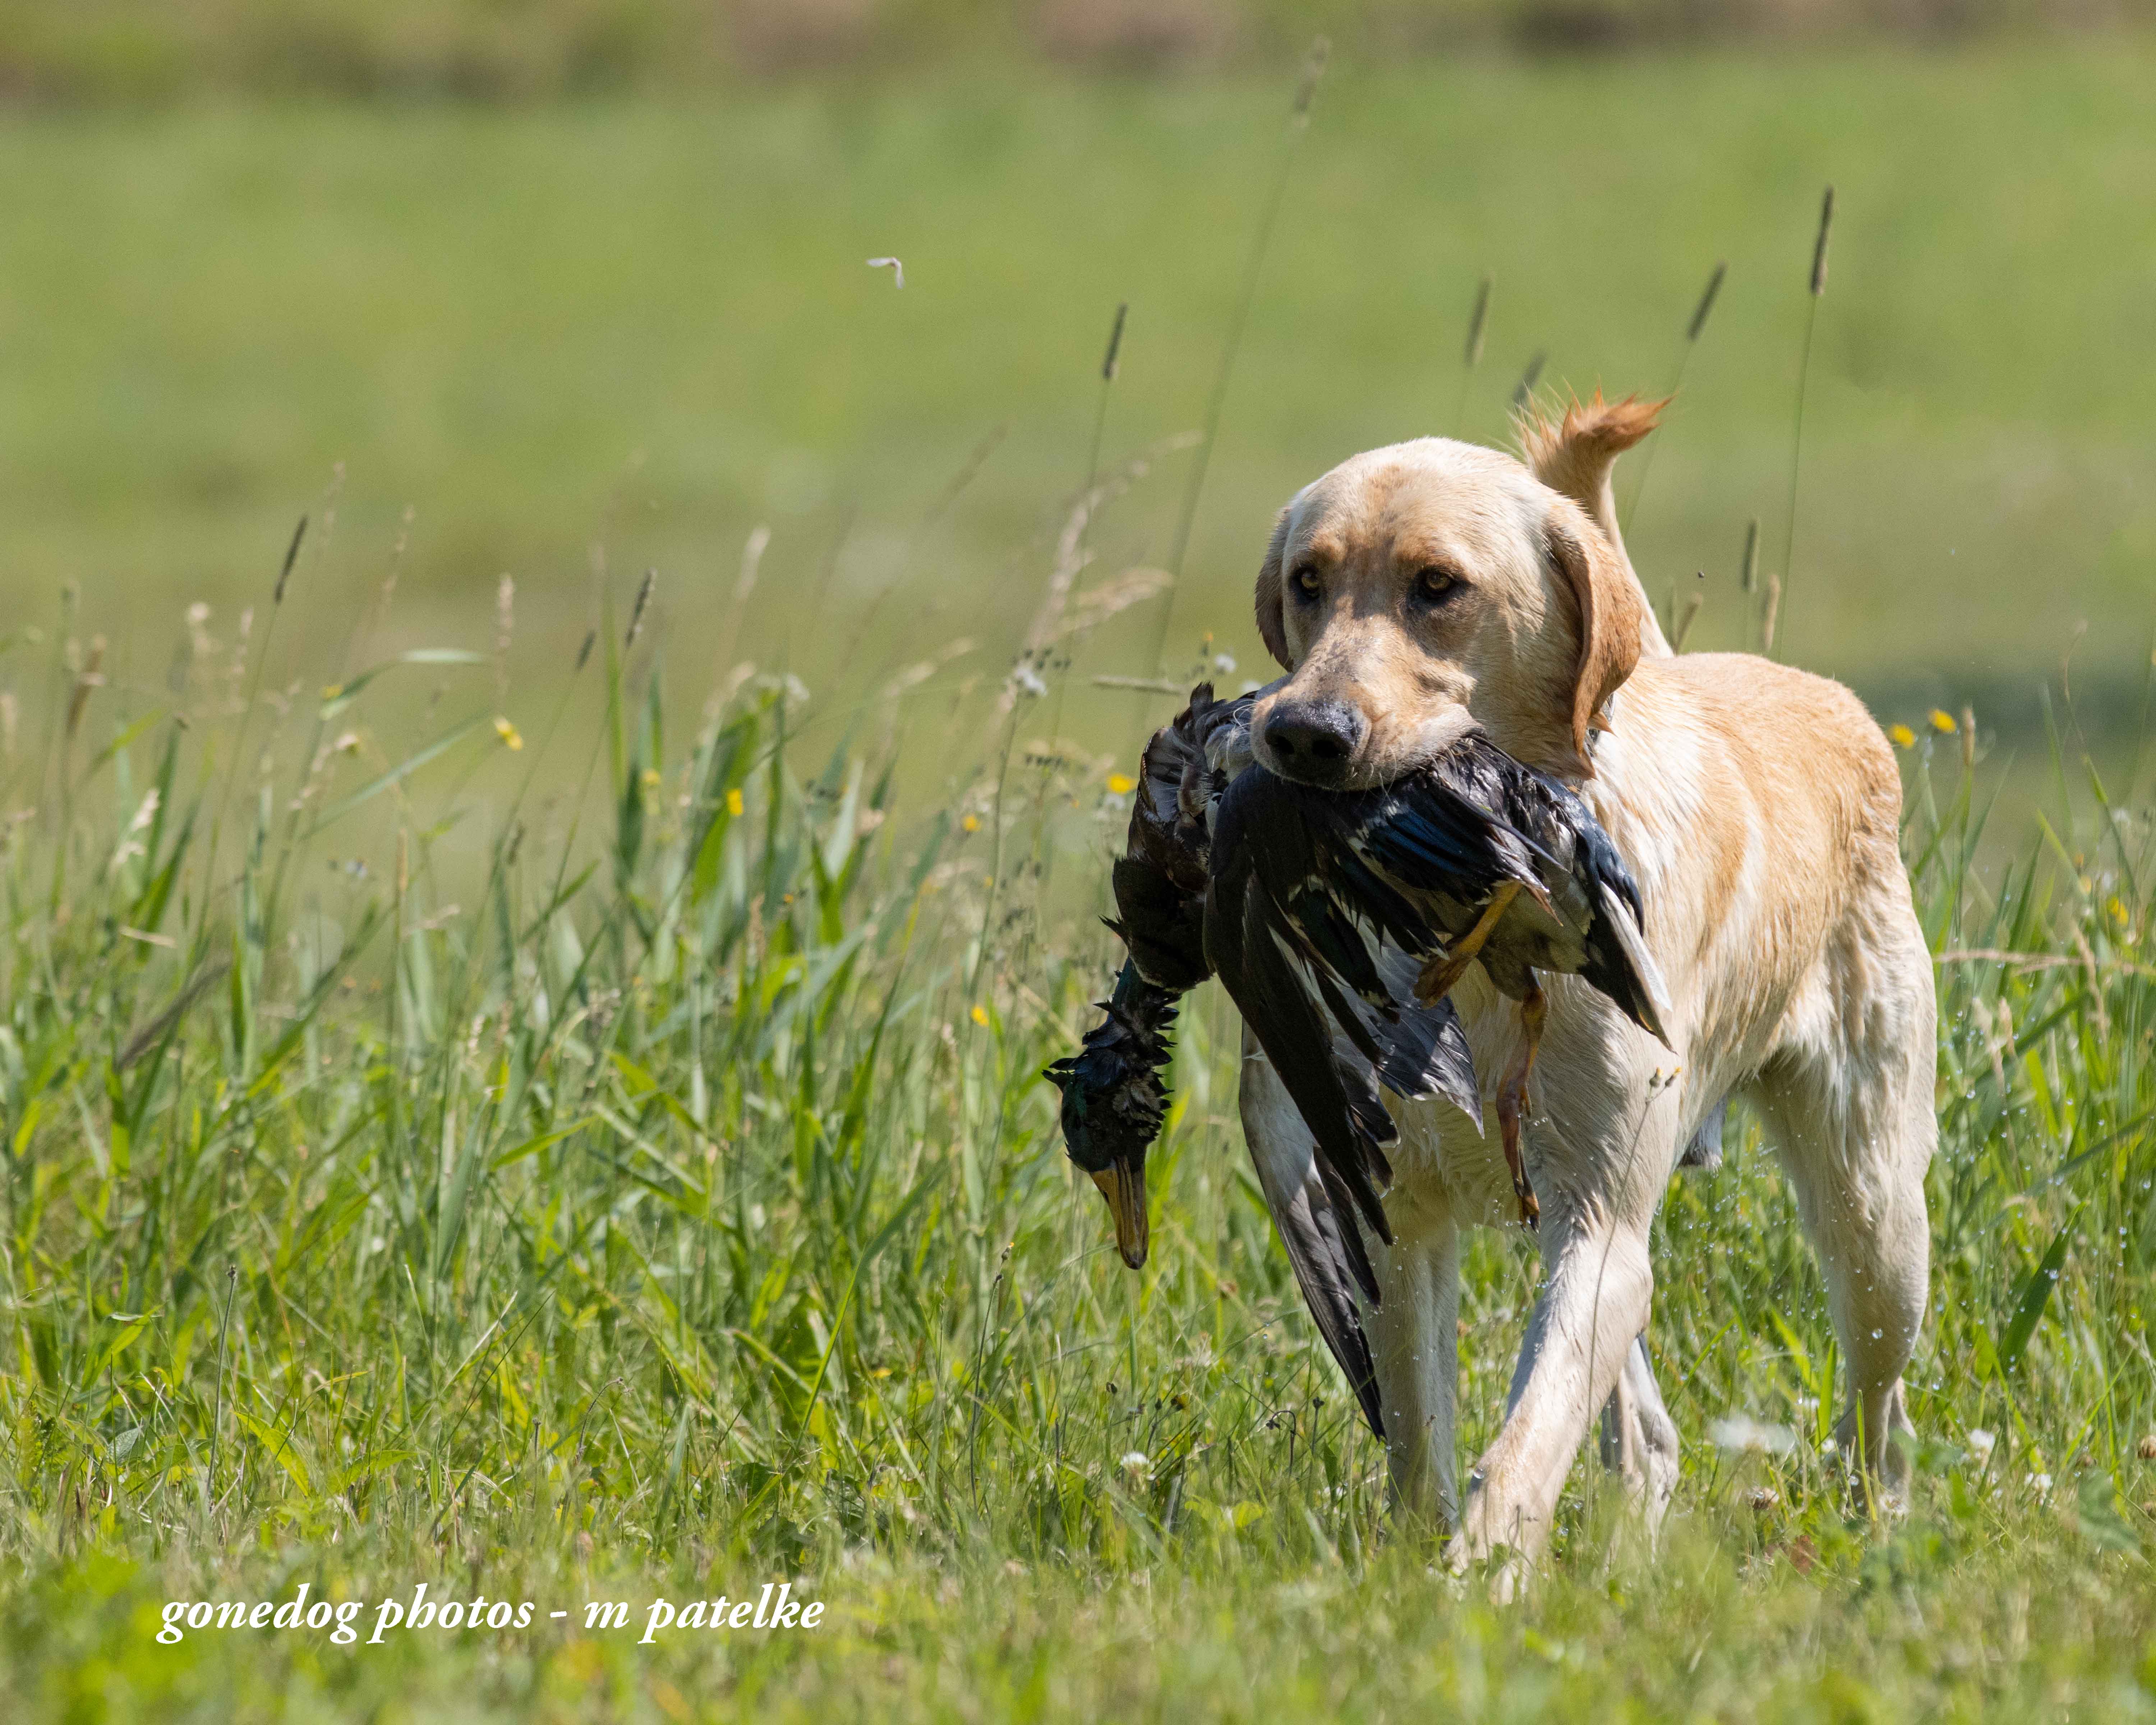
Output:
(1943, 721)
(1902, 737)
(1121, 784)
(981, 1016)
(971, 823)
(508, 733)
(734, 803)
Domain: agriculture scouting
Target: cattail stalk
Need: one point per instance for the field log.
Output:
(1700, 313)
(1803, 378)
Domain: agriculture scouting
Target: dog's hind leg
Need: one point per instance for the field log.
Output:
(1848, 1101)
(1639, 1439)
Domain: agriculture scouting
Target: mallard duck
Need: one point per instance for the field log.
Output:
(1338, 922)
(1472, 858)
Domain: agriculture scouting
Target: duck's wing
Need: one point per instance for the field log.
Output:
(1160, 878)
(1618, 960)
(1425, 1050)
(1251, 945)
(1162, 924)
(1324, 1245)
(1324, 1248)
(1361, 940)
(1431, 835)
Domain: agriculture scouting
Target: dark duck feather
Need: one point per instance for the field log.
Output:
(1333, 1041)
(1338, 923)
(1472, 858)
(1113, 1100)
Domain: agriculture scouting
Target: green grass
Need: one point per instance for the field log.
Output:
(491, 1097)
(680, 1207)
(648, 325)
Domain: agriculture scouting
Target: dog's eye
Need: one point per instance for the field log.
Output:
(1305, 581)
(1434, 584)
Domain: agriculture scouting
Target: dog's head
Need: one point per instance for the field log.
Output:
(1417, 592)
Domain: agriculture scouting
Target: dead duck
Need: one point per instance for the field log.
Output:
(1166, 893)
(1472, 858)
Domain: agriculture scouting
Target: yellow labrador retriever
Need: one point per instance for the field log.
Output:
(1417, 590)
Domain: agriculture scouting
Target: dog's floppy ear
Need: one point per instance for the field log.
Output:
(1272, 595)
(1573, 457)
(1611, 610)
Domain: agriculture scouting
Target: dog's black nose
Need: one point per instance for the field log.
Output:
(1315, 740)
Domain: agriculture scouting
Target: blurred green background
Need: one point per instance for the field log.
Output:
(579, 287)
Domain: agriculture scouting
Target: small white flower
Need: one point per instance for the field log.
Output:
(1138, 1465)
(1028, 681)
(1224, 664)
(2042, 1482)
(897, 269)
(1982, 1443)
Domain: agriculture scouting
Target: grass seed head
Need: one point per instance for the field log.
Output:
(1706, 305)
(1115, 343)
(1313, 70)
(291, 557)
(1478, 323)
(1523, 391)
(1819, 246)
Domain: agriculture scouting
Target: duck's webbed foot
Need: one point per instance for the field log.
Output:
(1440, 974)
(1512, 1100)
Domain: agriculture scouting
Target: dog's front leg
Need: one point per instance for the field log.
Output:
(1593, 1303)
(1415, 1344)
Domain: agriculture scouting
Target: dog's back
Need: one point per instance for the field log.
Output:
(1759, 806)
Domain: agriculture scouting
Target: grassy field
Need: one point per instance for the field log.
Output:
(649, 327)
(679, 1209)
(494, 1095)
